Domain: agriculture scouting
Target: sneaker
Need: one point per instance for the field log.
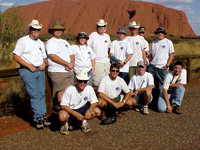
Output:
(177, 110)
(145, 111)
(85, 127)
(64, 128)
(39, 123)
(46, 121)
(137, 109)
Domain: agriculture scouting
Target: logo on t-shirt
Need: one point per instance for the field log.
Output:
(66, 46)
(85, 98)
(105, 41)
(40, 48)
(117, 88)
(122, 48)
(163, 46)
(137, 43)
(89, 53)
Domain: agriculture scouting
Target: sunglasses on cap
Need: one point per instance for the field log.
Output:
(115, 70)
(83, 81)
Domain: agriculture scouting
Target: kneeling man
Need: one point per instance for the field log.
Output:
(109, 91)
(172, 90)
(78, 103)
(141, 86)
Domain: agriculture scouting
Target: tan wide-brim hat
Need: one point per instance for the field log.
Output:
(101, 23)
(56, 25)
(83, 75)
(34, 24)
(133, 24)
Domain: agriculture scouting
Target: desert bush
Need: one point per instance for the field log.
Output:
(11, 24)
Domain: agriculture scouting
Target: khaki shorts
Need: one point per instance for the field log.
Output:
(61, 80)
(101, 69)
(132, 71)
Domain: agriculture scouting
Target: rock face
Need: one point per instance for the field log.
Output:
(82, 15)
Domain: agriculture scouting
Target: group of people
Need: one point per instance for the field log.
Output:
(109, 75)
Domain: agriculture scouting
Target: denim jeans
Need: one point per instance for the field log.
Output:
(91, 77)
(158, 74)
(125, 76)
(175, 98)
(35, 87)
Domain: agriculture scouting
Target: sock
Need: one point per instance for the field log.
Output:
(84, 121)
(145, 106)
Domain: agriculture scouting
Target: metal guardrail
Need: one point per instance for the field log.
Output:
(49, 98)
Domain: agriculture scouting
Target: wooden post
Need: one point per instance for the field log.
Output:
(188, 69)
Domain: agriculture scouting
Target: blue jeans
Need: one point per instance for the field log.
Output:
(158, 74)
(35, 87)
(176, 98)
(125, 76)
(91, 77)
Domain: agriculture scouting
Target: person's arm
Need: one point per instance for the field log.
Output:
(21, 62)
(144, 56)
(127, 58)
(88, 113)
(107, 99)
(169, 61)
(127, 96)
(72, 112)
(176, 84)
(42, 67)
(93, 66)
(165, 94)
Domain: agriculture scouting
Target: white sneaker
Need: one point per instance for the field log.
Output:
(145, 111)
(85, 127)
(64, 128)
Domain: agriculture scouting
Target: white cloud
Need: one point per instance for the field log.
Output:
(169, 2)
(186, 9)
(7, 4)
(195, 19)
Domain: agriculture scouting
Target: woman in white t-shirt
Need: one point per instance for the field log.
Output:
(84, 56)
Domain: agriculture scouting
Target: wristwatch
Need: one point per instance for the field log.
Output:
(124, 101)
(90, 110)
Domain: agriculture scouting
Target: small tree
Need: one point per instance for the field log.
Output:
(11, 23)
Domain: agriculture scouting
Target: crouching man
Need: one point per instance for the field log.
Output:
(109, 92)
(141, 86)
(78, 104)
(172, 90)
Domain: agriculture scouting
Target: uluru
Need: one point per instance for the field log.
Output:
(82, 15)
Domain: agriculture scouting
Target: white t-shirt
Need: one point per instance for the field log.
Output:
(75, 99)
(121, 49)
(160, 51)
(111, 88)
(83, 57)
(137, 44)
(100, 45)
(146, 45)
(62, 49)
(168, 79)
(31, 51)
(139, 82)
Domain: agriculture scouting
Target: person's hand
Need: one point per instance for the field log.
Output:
(121, 63)
(79, 116)
(70, 65)
(165, 67)
(88, 115)
(32, 68)
(67, 68)
(92, 71)
(136, 93)
(42, 67)
(118, 105)
(169, 109)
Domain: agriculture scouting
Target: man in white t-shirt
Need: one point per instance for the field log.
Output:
(109, 92)
(100, 44)
(60, 60)
(141, 86)
(79, 102)
(141, 32)
(121, 53)
(138, 46)
(172, 90)
(30, 54)
(161, 56)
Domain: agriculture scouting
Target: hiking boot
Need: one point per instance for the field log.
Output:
(177, 110)
(85, 127)
(39, 124)
(46, 121)
(64, 128)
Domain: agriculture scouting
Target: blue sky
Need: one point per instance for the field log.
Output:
(190, 7)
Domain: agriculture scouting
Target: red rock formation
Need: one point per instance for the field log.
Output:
(82, 15)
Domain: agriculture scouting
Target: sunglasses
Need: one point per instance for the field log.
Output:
(115, 70)
(82, 81)
(33, 29)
